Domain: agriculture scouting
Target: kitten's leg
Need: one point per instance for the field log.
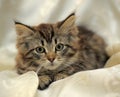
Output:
(66, 72)
(44, 82)
(60, 76)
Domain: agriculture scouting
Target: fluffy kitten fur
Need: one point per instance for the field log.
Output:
(58, 50)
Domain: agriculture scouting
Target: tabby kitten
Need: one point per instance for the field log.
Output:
(56, 51)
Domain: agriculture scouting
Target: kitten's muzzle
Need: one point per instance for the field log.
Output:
(51, 56)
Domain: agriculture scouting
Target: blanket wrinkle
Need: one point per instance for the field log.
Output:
(102, 16)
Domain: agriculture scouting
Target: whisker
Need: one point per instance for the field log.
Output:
(39, 68)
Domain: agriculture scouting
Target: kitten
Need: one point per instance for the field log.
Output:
(56, 51)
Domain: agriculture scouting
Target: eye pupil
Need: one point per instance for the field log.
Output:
(59, 47)
(40, 50)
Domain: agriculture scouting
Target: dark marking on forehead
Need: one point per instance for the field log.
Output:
(55, 41)
(46, 31)
(52, 32)
(42, 42)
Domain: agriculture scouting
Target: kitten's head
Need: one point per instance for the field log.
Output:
(48, 45)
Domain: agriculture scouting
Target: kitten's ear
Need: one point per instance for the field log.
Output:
(23, 30)
(69, 22)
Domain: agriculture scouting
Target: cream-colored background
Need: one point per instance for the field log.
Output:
(99, 15)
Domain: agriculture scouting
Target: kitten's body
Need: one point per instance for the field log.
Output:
(56, 51)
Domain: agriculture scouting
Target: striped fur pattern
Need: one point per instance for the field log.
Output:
(56, 51)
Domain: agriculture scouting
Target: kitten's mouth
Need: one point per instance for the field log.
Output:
(52, 64)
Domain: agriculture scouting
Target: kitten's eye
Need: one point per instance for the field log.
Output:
(40, 50)
(59, 47)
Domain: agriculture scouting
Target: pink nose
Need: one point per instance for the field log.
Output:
(51, 59)
(51, 56)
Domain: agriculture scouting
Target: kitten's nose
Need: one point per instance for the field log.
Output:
(51, 59)
(51, 56)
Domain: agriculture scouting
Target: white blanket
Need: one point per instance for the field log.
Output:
(99, 15)
(95, 83)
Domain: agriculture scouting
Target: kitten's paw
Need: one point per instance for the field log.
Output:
(59, 76)
(44, 82)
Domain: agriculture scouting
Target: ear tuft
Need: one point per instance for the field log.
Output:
(66, 25)
(68, 22)
(23, 29)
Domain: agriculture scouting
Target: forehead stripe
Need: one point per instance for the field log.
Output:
(47, 33)
(52, 32)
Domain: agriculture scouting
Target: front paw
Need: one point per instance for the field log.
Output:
(44, 82)
(59, 76)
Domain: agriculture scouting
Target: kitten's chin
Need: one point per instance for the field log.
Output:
(52, 67)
